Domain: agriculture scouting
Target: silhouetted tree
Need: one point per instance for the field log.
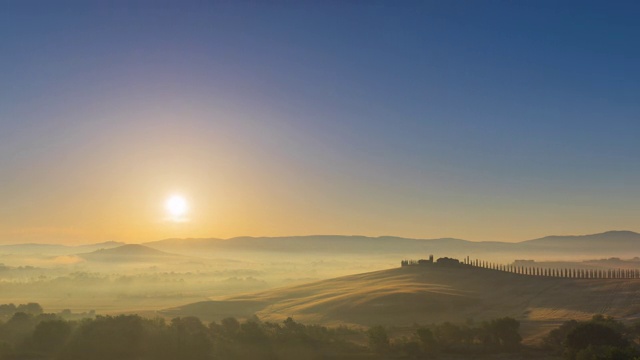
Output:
(231, 326)
(30, 308)
(555, 338)
(18, 329)
(505, 331)
(252, 332)
(107, 338)
(51, 335)
(7, 310)
(378, 339)
(427, 339)
(450, 336)
(594, 335)
(190, 338)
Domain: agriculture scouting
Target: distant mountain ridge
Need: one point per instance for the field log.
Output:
(610, 243)
(316, 243)
(611, 236)
(55, 249)
(606, 244)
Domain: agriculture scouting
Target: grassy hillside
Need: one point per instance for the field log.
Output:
(424, 295)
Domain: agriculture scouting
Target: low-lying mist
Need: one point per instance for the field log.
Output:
(114, 277)
(126, 285)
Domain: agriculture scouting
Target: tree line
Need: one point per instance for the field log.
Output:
(602, 337)
(37, 335)
(571, 273)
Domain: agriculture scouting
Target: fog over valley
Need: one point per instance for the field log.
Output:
(113, 277)
(321, 180)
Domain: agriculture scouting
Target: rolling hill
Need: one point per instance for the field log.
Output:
(607, 239)
(55, 249)
(404, 296)
(129, 253)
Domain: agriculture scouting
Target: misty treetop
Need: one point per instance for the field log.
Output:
(37, 335)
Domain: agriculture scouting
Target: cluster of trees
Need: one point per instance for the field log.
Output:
(496, 336)
(7, 310)
(47, 336)
(602, 337)
(33, 334)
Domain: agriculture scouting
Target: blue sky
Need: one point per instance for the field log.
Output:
(486, 120)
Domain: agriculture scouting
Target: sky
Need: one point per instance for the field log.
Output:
(480, 120)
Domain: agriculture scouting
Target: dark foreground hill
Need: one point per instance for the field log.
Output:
(435, 294)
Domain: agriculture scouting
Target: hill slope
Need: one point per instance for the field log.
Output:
(603, 240)
(55, 249)
(127, 253)
(404, 296)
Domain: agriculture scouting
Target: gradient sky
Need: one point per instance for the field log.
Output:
(482, 120)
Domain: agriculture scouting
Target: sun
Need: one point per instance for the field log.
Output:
(177, 207)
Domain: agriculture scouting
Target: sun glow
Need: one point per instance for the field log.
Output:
(176, 207)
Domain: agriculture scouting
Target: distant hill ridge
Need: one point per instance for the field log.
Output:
(131, 250)
(128, 253)
(55, 249)
(606, 244)
(612, 234)
(610, 243)
(603, 238)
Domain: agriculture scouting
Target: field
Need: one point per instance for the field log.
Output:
(405, 296)
(328, 280)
